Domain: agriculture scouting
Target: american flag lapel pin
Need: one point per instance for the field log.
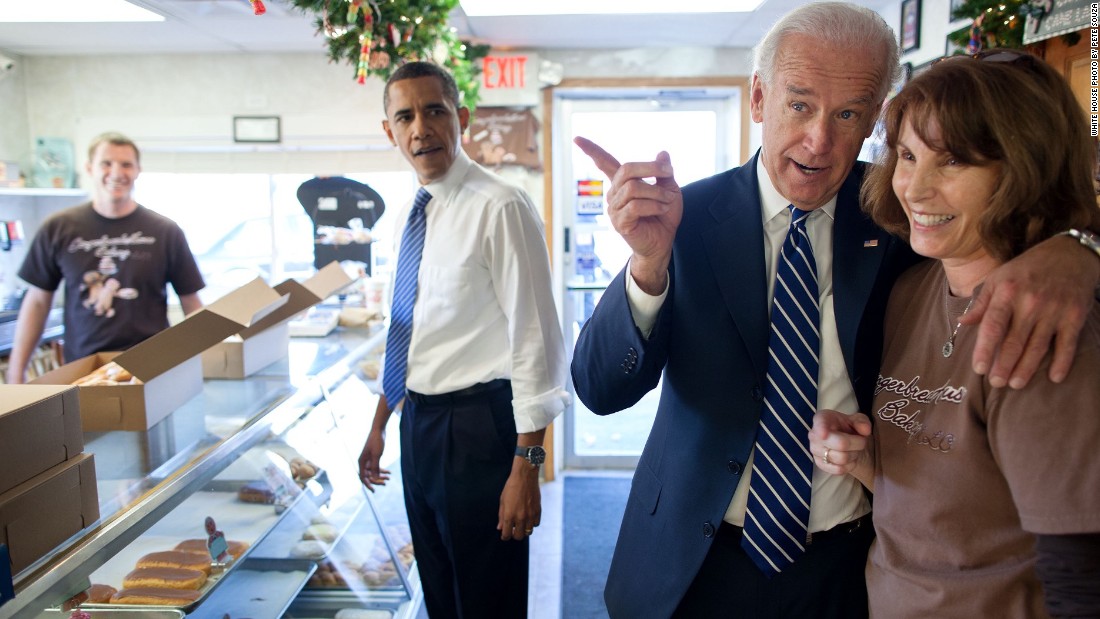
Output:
(870, 243)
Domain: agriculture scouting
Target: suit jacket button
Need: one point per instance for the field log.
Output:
(734, 466)
(708, 529)
(757, 393)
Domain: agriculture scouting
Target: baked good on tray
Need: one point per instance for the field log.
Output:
(256, 492)
(309, 549)
(100, 594)
(176, 558)
(324, 532)
(167, 577)
(236, 548)
(108, 374)
(156, 596)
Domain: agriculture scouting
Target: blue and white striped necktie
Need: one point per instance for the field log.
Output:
(404, 299)
(779, 493)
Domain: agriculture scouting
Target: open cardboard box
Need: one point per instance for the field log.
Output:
(41, 513)
(268, 339)
(39, 429)
(168, 364)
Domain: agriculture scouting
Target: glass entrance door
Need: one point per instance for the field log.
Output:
(700, 128)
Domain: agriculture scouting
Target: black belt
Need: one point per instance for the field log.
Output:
(843, 528)
(456, 397)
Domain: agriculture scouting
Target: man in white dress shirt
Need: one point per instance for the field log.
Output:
(485, 363)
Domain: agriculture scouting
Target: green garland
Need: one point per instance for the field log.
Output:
(396, 31)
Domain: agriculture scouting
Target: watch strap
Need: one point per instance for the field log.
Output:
(1086, 238)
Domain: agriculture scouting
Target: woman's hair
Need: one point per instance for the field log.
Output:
(839, 23)
(1003, 108)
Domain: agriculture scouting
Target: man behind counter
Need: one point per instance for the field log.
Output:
(116, 258)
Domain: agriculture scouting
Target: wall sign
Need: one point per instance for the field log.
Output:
(510, 80)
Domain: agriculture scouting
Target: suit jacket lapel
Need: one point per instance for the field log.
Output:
(858, 249)
(735, 248)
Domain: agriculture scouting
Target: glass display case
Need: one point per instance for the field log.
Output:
(253, 486)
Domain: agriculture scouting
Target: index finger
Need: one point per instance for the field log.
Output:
(603, 159)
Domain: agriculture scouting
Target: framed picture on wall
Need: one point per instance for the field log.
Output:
(910, 25)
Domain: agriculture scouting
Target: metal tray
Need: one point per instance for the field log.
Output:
(255, 520)
(324, 605)
(130, 612)
(257, 588)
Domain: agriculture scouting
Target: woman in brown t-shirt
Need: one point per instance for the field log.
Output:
(986, 499)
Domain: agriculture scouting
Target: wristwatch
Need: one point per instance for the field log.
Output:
(534, 455)
(1086, 238)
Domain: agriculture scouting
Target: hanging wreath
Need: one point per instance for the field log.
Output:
(377, 36)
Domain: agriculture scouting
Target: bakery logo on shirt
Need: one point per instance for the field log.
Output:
(99, 287)
(894, 411)
(117, 248)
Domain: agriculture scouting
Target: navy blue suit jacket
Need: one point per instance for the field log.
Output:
(711, 343)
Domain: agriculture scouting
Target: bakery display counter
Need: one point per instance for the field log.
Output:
(272, 459)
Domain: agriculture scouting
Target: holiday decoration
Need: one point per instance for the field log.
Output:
(996, 23)
(258, 7)
(377, 36)
(975, 44)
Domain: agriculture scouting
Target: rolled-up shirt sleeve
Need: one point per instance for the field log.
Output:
(520, 271)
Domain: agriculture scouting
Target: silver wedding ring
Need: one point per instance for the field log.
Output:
(825, 458)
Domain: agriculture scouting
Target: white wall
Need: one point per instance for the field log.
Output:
(15, 143)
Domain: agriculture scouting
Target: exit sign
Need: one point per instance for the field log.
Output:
(504, 72)
(509, 80)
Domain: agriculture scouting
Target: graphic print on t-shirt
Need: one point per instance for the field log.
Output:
(100, 288)
(910, 421)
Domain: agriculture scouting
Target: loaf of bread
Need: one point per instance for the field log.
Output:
(100, 594)
(176, 558)
(108, 374)
(166, 577)
(156, 596)
(198, 546)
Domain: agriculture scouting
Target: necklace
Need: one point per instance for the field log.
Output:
(949, 345)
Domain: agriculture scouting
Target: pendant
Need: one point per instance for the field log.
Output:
(948, 348)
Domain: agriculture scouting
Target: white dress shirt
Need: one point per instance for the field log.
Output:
(484, 305)
(833, 499)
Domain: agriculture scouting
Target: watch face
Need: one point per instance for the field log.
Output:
(536, 455)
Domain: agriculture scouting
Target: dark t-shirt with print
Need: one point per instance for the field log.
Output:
(116, 273)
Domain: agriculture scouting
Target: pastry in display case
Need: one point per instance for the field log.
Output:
(241, 519)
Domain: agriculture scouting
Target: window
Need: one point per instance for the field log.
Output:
(242, 226)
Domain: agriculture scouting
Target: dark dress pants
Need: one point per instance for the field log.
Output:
(456, 455)
(825, 583)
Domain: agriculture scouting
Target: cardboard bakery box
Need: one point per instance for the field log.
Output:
(268, 339)
(40, 514)
(168, 364)
(39, 429)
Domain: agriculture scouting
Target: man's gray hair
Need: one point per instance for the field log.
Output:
(837, 23)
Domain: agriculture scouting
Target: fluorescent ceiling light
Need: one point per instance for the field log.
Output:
(73, 11)
(501, 8)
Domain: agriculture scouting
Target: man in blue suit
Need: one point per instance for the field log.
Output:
(694, 302)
